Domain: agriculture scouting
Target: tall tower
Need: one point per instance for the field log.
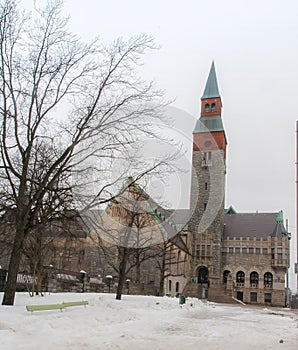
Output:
(207, 192)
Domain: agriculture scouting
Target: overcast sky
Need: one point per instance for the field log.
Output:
(255, 48)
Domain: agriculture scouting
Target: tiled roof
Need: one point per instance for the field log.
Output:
(259, 225)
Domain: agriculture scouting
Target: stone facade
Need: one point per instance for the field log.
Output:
(234, 257)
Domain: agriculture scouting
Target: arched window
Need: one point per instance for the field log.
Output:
(170, 285)
(225, 276)
(177, 287)
(254, 278)
(268, 280)
(213, 107)
(240, 277)
(207, 108)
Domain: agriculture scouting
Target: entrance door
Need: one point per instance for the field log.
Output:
(240, 296)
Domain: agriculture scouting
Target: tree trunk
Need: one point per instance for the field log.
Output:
(138, 277)
(13, 269)
(162, 276)
(122, 270)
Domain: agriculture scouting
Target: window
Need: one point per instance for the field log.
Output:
(267, 297)
(205, 206)
(213, 107)
(265, 250)
(272, 253)
(244, 250)
(258, 250)
(250, 250)
(240, 277)
(231, 250)
(177, 287)
(254, 279)
(279, 253)
(198, 250)
(268, 280)
(170, 285)
(237, 250)
(206, 185)
(207, 108)
(253, 297)
(208, 250)
(203, 250)
(225, 276)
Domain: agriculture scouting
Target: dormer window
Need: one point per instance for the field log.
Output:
(207, 107)
(213, 107)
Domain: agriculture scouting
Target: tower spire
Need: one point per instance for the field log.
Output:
(211, 88)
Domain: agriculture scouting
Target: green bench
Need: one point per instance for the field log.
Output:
(62, 306)
(44, 307)
(75, 303)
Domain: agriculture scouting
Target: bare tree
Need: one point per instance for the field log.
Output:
(82, 102)
(130, 233)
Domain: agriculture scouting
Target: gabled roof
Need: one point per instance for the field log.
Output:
(132, 201)
(211, 88)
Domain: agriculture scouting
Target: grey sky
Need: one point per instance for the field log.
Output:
(255, 48)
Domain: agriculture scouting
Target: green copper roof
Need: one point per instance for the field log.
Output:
(211, 88)
(208, 124)
(280, 217)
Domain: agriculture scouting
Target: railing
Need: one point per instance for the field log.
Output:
(268, 285)
(206, 163)
(239, 284)
(254, 285)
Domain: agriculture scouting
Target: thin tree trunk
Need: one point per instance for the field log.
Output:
(122, 270)
(162, 276)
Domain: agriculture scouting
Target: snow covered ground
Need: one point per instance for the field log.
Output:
(141, 323)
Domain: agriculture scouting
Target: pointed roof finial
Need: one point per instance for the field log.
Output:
(211, 88)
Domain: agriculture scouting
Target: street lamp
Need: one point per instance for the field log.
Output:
(60, 262)
(83, 275)
(288, 235)
(127, 284)
(109, 278)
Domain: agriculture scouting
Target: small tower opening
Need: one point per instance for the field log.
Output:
(213, 107)
(207, 107)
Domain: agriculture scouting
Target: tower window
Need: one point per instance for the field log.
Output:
(206, 185)
(205, 206)
(213, 107)
(207, 108)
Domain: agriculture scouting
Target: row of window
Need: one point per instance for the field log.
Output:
(245, 250)
(253, 278)
(207, 107)
(176, 286)
(254, 297)
(203, 250)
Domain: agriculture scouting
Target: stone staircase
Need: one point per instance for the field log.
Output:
(216, 293)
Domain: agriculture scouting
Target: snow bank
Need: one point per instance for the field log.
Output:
(141, 323)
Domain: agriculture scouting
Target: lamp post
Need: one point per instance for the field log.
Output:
(288, 266)
(60, 262)
(83, 275)
(109, 278)
(127, 284)
(288, 238)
